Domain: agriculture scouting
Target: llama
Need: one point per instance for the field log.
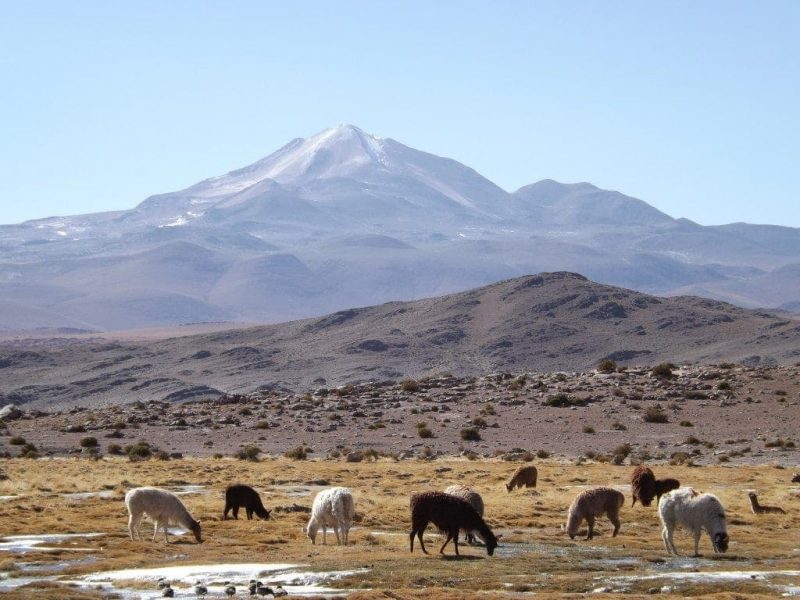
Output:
(449, 514)
(240, 495)
(695, 512)
(523, 476)
(758, 509)
(473, 498)
(335, 508)
(161, 506)
(645, 486)
(593, 503)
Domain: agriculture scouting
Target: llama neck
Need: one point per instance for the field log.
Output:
(754, 503)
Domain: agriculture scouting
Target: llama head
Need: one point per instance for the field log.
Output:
(508, 487)
(311, 530)
(720, 541)
(491, 543)
(196, 532)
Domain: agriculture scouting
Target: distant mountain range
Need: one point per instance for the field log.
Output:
(345, 219)
(545, 322)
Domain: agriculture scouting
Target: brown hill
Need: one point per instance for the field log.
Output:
(545, 322)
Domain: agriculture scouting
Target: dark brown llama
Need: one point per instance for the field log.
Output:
(449, 514)
(645, 486)
(239, 495)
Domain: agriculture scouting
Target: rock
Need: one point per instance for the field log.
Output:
(10, 412)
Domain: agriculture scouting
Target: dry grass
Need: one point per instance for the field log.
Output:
(535, 555)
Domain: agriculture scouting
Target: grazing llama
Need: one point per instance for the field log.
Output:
(694, 512)
(449, 514)
(593, 503)
(473, 498)
(162, 507)
(758, 509)
(645, 486)
(240, 495)
(333, 507)
(523, 476)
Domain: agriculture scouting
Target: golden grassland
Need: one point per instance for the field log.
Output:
(535, 555)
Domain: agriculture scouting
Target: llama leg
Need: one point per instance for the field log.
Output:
(697, 533)
(155, 530)
(225, 512)
(590, 523)
(336, 531)
(324, 535)
(455, 541)
(449, 537)
(249, 513)
(236, 511)
(166, 526)
(614, 518)
(131, 525)
(669, 542)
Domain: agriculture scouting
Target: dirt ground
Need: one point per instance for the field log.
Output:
(535, 555)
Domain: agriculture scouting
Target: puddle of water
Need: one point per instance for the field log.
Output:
(28, 543)
(705, 576)
(105, 494)
(298, 491)
(36, 567)
(4, 498)
(183, 579)
(788, 590)
(9, 583)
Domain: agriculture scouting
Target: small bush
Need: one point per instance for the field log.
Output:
(664, 370)
(607, 366)
(588, 429)
(28, 450)
(250, 452)
(563, 400)
(114, 449)
(470, 434)
(542, 454)
(139, 451)
(88, 442)
(655, 414)
(723, 385)
(623, 450)
(409, 385)
(424, 431)
(617, 426)
(263, 425)
(686, 424)
(17, 440)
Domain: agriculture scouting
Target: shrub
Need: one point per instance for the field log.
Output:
(588, 429)
(251, 452)
(692, 440)
(17, 440)
(263, 425)
(114, 449)
(88, 442)
(424, 431)
(686, 424)
(470, 434)
(139, 451)
(619, 426)
(563, 400)
(655, 414)
(28, 450)
(542, 454)
(723, 385)
(623, 450)
(409, 385)
(488, 409)
(607, 366)
(664, 370)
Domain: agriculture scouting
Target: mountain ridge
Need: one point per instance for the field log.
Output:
(442, 227)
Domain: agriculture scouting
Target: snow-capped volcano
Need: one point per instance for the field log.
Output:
(346, 158)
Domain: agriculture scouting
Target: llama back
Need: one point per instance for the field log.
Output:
(155, 501)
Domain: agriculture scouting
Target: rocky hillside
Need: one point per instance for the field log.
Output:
(545, 322)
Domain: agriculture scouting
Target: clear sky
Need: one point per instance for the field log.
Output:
(692, 106)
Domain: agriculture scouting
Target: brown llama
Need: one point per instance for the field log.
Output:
(523, 476)
(593, 503)
(645, 486)
(759, 509)
(449, 514)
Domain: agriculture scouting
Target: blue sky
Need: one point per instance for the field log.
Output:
(692, 106)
